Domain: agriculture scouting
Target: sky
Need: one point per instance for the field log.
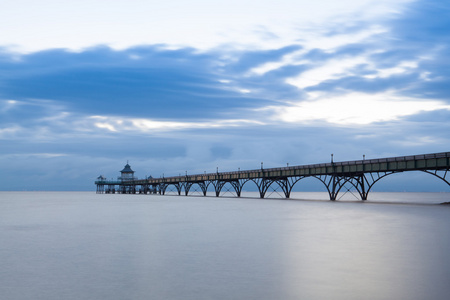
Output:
(195, 86)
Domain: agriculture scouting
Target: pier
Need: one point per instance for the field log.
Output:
(359, 174)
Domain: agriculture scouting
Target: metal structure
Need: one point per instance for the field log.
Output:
(360, 174)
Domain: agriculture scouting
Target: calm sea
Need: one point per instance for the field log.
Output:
(82, 245)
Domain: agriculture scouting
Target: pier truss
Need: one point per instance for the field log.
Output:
(359, 175)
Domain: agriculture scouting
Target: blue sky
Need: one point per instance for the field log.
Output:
(192, 86)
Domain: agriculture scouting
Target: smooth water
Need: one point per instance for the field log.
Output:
(78, 245)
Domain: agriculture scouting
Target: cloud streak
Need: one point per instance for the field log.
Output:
(356, 109)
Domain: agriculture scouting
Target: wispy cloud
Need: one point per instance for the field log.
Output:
(116, 124)
(355, 109)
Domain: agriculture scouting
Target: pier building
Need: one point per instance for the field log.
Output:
(126, 174)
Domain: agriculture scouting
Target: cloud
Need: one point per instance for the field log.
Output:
(147, 125)
(355, 109)
(198, 23)
(376, 84)
(171, 83)
(45, 120)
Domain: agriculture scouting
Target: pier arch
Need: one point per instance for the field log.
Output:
(393, 180)
(196, 188)
(170, 189)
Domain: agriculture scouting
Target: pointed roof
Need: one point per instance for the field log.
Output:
(127, 169)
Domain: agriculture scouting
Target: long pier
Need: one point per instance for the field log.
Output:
(360, 174)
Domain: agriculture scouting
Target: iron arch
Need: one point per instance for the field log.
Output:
(201, 184)
(244, 182)
(165, 186)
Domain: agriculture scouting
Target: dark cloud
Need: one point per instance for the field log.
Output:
(143, 81)
(424, 23)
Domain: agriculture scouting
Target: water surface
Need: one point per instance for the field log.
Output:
(78, 245)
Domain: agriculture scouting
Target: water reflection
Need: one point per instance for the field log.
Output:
(369, 252)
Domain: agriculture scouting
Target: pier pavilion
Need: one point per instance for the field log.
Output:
(124, 183)
(126, 174)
